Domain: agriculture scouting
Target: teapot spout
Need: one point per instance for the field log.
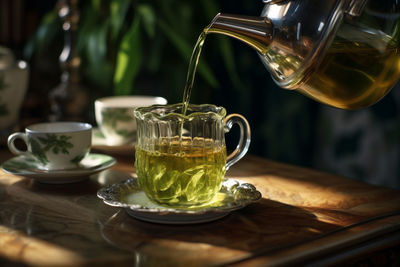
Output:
(254, 31)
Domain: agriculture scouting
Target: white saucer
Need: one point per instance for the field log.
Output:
(234, 195)
(26, 166)
(99, 143)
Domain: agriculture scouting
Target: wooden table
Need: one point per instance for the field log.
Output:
(304, 217)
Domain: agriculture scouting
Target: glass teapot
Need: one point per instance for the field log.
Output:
(344, 53)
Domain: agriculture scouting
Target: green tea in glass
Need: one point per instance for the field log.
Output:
(181, 160)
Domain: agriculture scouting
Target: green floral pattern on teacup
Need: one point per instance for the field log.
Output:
(111, 117)
(53, 143)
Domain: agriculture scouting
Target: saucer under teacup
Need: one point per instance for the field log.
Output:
(29, 167)
(99, 143)
(234, 195)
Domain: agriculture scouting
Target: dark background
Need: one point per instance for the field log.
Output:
(286, 126)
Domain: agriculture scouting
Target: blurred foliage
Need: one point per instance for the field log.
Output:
(122, 42)
(144, 47)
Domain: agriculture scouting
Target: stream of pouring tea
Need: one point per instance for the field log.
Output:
(186, 175)
(194, 61)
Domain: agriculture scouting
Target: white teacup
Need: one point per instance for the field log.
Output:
(55, 145)
(115, 119)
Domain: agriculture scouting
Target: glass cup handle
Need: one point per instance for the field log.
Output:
(11, 145)
(244, 142)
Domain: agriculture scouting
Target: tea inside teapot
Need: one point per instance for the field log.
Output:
(357, 70)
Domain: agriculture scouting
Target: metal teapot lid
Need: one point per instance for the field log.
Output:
(354, 7)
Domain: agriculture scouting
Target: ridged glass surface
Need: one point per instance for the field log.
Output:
(180, 160)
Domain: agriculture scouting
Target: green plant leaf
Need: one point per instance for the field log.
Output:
(96, 5)
(154, 59)
(98, 66)
(118, 11)
(129, 60)
(88, 23)
(228, 58)
(97, 45)
(148, 18)
(185, 50)
(169, 13)
(44, 36)
(211, 9)
(94, 47)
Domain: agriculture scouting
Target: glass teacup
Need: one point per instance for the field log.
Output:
(181, 160)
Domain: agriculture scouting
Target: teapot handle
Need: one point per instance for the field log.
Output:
(244, 142)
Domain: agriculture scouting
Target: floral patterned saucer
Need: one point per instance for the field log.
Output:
(234, 195)
(28, 167)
